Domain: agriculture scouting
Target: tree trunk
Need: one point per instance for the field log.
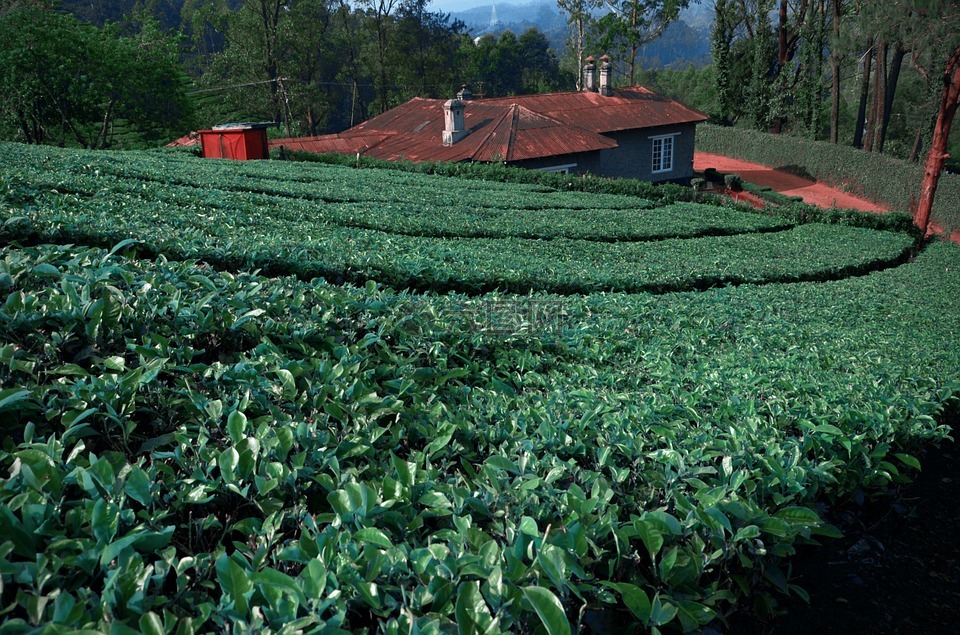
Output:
(893, 76)
(917, 145)
(782, 36)
(937, 156)
(101, 142)
(835, 87)
(864, 93)
(879, 93)
(25, 128)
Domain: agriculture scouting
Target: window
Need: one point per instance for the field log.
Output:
(662, 154)
(559, 169)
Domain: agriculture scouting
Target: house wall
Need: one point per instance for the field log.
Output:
(633, 158)
(578, 163)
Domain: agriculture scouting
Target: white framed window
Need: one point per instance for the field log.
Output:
(561, 169)
(662, 153)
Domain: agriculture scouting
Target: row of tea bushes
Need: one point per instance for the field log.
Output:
(189, 450)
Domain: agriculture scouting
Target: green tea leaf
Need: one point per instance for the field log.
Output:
(237, 426)
(548, 609)
(235, 582)
(373, 536)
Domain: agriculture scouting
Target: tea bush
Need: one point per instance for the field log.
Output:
(192, 446)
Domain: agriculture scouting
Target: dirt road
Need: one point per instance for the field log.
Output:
(812, 192)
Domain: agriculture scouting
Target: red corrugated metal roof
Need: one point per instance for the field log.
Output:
(339, 143)
(192, 139)
(504, 129)
(626, 109)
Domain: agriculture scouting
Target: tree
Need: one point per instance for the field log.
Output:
(630, 24)
(938, 28)
(539, 67)
(835, 57)
(68, 82)
(425, 50)
(720, 44)
(381, 24)
(578, 19)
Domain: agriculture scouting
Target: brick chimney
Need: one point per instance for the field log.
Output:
(606, 69)
(590, 75)
(453, 128)
(464, 94)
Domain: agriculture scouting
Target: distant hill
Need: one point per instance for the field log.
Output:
(685, 42)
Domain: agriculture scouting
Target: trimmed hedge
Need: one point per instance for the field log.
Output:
(877, 177)
(662, 194)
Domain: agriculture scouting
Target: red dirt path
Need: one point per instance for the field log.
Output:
(812, 192)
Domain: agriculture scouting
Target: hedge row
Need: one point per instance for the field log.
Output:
(661, 194)
(877, 177)
(665, 192)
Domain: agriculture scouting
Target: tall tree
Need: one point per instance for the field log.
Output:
(539, 68)
(67, 82)
(578, 19)
(937, 27)
(720, 43)
(425, 51)
(764, 72)
(380, 20)
(629, 24)
(835, 58)
(867, 61)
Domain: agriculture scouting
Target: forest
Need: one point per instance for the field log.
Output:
(134, 73)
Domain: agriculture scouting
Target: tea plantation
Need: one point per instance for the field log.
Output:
(285, 398)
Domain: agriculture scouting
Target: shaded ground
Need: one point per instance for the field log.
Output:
(896, 570)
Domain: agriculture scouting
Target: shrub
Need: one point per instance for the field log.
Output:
(733, 182)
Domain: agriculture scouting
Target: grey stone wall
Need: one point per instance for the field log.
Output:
(633, 158)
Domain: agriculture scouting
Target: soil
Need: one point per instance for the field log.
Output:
(812, 192)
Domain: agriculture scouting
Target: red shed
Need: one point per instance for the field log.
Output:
(240, 141)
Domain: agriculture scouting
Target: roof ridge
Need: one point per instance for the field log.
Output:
(488, 140)
(514, 123)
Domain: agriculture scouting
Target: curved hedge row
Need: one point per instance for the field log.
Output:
(877, 177)
(211, 211)
(251, 238)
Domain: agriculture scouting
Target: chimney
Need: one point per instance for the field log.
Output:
(605, 71)
(464, 94)
(453, 128)
(590, 75)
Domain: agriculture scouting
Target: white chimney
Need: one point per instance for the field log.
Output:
(453, 128)
(590, 75)
(606, 69)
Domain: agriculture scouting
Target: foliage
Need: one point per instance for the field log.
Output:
(194, 449)
(880, 178)
(69, 83)
(626, 25)
(344, 224)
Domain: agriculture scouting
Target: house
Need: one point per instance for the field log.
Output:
(624, 132)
